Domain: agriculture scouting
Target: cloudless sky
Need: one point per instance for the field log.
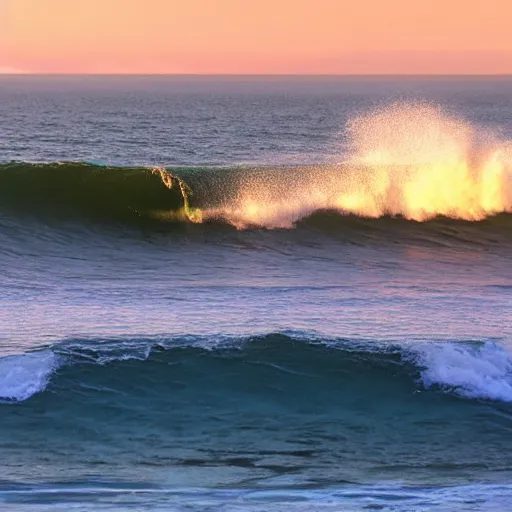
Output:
(256, 36)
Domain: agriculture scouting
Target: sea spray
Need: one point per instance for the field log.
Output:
(408, 159)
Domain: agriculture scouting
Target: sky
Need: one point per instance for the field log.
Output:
(256, 36)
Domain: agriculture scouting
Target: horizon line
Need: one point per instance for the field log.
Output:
(334, 75)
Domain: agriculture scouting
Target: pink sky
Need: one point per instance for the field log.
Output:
(256, 36)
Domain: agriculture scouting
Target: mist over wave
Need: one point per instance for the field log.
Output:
(407, 159)
(412, 160)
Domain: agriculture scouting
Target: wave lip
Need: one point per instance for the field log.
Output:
(22, 376)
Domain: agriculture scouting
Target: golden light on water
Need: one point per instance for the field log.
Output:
(407, 159)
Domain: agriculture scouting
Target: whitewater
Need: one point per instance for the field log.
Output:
(255, 294)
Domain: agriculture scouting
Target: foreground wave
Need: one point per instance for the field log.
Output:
(276, 414)
(471, 370)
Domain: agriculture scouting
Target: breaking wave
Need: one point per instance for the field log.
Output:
(471, 370)
(22, 376)
(411, 160)
(408, 160)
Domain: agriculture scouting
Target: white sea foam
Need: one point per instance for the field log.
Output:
(475, 371)
(22, 376)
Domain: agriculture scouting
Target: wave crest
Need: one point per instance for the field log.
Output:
(472, 371)
(411, 160)
(22, 376)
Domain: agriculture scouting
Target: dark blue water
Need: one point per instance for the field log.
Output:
(255, 293)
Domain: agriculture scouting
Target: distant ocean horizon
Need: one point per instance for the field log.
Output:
(266, 76)
(255, 292)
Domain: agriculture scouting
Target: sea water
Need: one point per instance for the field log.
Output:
(255, 293)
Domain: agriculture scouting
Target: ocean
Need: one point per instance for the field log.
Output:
(255, 293)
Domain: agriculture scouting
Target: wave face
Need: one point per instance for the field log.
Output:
(97, 192)
(409, 410)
